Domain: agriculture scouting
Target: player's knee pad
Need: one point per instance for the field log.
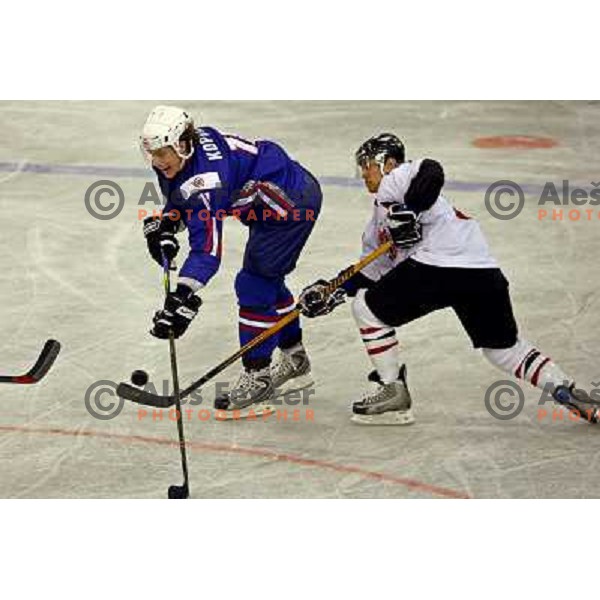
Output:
(254, 290)
(508, 359)
(362, 313)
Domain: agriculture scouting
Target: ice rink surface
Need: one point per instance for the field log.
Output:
(89, 283)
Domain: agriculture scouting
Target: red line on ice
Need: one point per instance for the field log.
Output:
(412, 484)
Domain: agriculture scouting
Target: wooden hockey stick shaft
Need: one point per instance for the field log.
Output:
(259, 339)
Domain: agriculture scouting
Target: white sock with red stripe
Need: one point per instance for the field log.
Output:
(526, 362)
(379, 339)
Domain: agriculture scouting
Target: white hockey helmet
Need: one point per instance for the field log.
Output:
(164, 127)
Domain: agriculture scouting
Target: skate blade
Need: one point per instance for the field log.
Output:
(387, 418)
(249, 413)
(295, 384)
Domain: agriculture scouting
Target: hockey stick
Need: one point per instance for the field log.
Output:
(141, 396)
(176, 491)
(40, 368)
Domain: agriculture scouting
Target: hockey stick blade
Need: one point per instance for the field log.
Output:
(140, 396)
(42, 365)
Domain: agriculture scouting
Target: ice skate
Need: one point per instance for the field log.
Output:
(385, 403)
(577, 400)
(248, 397)
(292, 371)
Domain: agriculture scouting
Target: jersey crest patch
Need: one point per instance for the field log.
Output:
(200, 183)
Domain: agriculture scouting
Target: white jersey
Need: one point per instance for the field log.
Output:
(449, 238)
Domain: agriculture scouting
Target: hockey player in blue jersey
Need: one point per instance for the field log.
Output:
(206, 175)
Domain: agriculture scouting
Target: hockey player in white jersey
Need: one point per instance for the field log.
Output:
(440, 259)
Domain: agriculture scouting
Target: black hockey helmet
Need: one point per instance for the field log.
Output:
(379, 148)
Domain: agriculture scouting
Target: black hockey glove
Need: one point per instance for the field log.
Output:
(314, 300)
(161, 240)
(403, 225)
(181, 306)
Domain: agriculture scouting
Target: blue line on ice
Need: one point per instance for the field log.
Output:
(114, 171)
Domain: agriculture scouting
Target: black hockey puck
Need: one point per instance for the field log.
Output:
(139, 378)
(178, 492)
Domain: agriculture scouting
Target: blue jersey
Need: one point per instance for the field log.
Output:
(220, 179)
